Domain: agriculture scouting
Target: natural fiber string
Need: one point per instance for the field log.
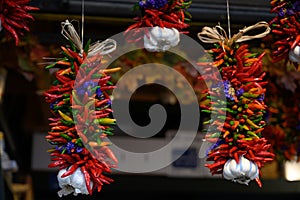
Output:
(218, 34)
(69, 32)
(228, 18)
(82, 22)
(102, 48)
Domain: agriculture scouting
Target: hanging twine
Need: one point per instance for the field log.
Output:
(218, 34)
(105, 47)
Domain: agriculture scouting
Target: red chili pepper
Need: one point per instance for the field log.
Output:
(216, 164)
(76, 157)
(148, 22)
(70, 171)
(57, 163)
(110, 154)
(56, 159)
(59, 140)
(83, 137)
(296, 42)
(170, 19)
(278, 32)
(133, 26)
(151, 12)
(56, 153)
(73, 54)
(276, 8)
(49, 137)
(87, 179)
(11, 30)
(294, 21)
(54, 134)
(68, 158)
(60, 128)
(108, 87)
(265, 154)
(236, 157)
(30, 8)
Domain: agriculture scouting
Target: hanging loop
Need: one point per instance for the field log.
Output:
(69, 32)
(217, 34)
(102, 48)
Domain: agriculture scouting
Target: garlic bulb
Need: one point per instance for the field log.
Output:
(242, 172)
(74, 183)
(294, 54)
(161, 39)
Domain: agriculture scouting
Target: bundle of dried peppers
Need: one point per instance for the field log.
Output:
(167, 17)
(80, 106)
(162, 13)
(286, 28)
(14, 17)
(239, 137)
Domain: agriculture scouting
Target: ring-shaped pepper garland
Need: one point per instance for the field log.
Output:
(14, 17)
(81, 154)
(239, 150)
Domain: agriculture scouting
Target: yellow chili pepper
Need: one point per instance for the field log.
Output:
(64, 116)
(251, 123)
(112, 70)
(105, 121)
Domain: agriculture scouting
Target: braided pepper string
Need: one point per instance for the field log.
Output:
(15, 18)
(81, 147)
(161, 13)
(243, 84)
(286, 28)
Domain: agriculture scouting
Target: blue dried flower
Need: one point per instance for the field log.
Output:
(261, 97)
(52, 105)
(215, 145)
(240, 92)
(228, 90)
(290, 11)
(99, 92)
(149, 4)
(86, 87)
(69, 147)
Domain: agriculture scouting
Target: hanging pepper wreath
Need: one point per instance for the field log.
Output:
(286, 27)
(160, 23)
(80, 105)
(238, 151)
(14, 17)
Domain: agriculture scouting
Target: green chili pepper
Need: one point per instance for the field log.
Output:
(66, 136)
(74, 95)
(249, 95)
(252, 134)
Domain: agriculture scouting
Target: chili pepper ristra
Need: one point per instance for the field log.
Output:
(239, 151)
(286, 28)
(81, 116)
(15, 17)
(159, 23)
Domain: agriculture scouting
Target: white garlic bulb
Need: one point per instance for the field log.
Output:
(161, 39)
(294, 54)
(242, 172)
(74, 183)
